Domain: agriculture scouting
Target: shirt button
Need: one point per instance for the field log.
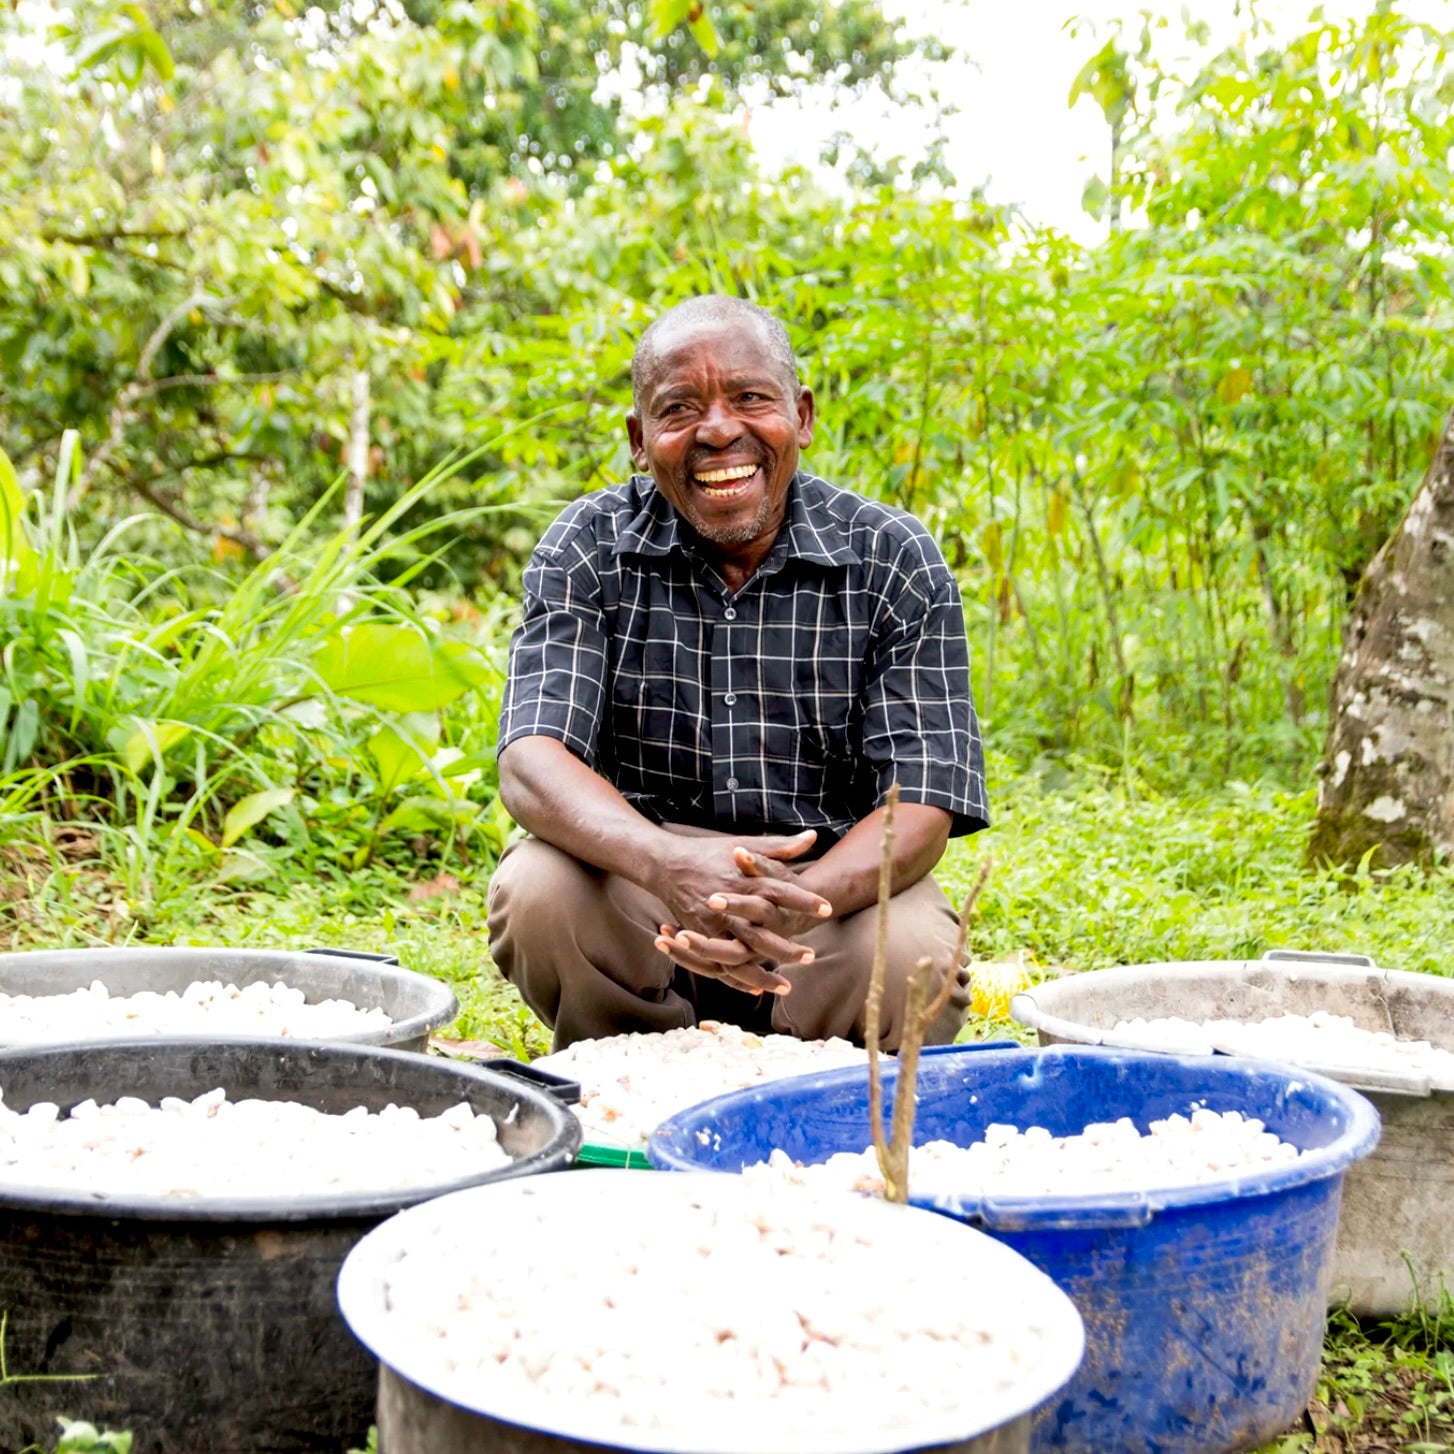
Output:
(730, 698)
(730, 614)
(731, 784)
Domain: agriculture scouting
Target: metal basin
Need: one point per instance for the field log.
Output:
(426, 1407)
(414, 1002)
(210, 1323)
(1396, 1230)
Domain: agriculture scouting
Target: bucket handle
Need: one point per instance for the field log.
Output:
(1313, 956)
(355, 954)
(565, 1090)
(1016, 1214)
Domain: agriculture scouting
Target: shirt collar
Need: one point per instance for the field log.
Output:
(655, 529)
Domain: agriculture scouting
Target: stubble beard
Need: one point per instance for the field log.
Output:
(740, 534)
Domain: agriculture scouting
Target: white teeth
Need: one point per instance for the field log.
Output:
(719, 477)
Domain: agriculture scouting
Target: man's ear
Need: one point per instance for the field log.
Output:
(807, 415)
(638, 442)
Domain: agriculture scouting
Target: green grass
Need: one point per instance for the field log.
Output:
(1098, 873)
(1087, 872)
(1381, 1388)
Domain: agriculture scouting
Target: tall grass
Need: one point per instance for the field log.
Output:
(181, 716)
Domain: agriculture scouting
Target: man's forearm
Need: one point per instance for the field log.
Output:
(847, 875)
(551, 793)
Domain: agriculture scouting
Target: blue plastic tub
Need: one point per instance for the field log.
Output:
(1203, 1306)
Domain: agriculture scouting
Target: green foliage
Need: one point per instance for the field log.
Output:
(1160, 464)
(78, 1437)
(178, 715)
(1389, 1386)
(223, 213)
(371, 1446)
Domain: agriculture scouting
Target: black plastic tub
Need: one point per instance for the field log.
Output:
(414, 1002)
(210, 1324)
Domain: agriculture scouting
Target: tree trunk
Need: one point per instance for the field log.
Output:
(1388, 768)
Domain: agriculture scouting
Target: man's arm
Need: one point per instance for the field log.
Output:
(551, 793)
(847, 875)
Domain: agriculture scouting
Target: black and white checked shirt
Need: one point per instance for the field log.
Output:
(838, 669)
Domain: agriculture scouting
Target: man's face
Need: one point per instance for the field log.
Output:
(719, 427)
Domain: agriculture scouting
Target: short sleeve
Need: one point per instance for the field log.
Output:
(555, 686)
(920, 729)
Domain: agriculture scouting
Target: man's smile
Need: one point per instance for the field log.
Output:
(725, 483)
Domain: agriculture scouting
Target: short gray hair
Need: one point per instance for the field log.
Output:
(713, 308)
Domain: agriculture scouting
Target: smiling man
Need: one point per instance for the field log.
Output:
(722, 667)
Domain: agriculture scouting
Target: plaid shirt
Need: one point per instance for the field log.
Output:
(839, 668)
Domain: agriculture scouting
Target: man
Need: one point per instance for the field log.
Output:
(722, 667)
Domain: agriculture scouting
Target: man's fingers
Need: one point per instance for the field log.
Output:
(724, 952)
(764, 944)
(780, 848)
(775, 893)
(750, 978)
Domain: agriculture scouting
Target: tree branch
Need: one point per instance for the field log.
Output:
(207, 381)
(173, 511)
(142, 384)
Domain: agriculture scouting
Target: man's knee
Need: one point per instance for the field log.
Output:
(831, 993)
(536, 888)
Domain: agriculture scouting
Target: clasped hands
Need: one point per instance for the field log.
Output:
(738, 909)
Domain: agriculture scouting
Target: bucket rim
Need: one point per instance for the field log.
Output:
(558, 1152)
(671, 1146)
(439, 1004)
(461, 1214)
(1041, 1008)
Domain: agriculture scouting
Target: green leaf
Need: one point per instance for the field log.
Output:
(157, 53)
(147, 742)
(226, 256)
(398, 668)
(418, 815)
(400, 749)
(1234, 385)
(239, 864)
(79, 274)
(80, 1437)
(704, 32)
(251, 810)
(80, 667)
(15, 550)
(666, 15)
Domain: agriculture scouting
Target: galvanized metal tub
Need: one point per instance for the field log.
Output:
(210, 1323)
(1396, 1229)
(415, 1003)
(425, 1408)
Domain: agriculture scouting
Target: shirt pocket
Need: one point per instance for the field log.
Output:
(655, 731)
(825, 708)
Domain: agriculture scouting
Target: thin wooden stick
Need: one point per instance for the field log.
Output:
(947, 988)
(921, 1009)
(873, 1010)
(906, 1087)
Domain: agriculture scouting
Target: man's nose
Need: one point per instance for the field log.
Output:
(718, 426)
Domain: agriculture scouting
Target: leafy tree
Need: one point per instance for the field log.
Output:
(288, 221)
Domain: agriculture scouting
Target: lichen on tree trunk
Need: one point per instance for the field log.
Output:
(1388, 767)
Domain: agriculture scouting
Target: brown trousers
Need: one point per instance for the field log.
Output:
(578, 944)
